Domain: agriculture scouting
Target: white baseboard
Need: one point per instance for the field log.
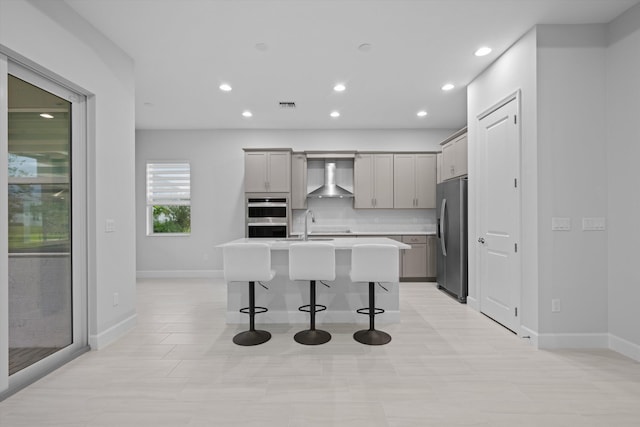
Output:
(555, 341)
(285, 317)
(533, 336)
(624, 347)
(103, 339)
(603, 340)
(179, 274)
(473, 303)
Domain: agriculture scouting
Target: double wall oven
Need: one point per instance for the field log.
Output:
(267, 217)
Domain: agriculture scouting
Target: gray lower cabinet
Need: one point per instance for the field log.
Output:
(416, 264)
(414, 260)
(432, 253)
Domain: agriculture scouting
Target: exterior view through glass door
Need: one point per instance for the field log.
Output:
(39, 222)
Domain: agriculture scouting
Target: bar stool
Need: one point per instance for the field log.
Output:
(249, 262)
(373, 263)
(312, 261)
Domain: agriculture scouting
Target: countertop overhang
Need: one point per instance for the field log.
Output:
(348, 233)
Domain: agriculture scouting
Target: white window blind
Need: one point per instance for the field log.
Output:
(168, 184)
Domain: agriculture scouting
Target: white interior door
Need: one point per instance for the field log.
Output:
(499, 214)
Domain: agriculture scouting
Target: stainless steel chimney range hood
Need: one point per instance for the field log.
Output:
(330, 189)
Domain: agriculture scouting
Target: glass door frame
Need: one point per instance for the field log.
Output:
(79, 229)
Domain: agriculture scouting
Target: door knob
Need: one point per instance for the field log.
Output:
(481, 240)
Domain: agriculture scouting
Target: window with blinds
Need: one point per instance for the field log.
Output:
(168, 198)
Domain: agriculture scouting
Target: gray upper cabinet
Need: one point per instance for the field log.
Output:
(454, 158)
(298, 181)
(414, 181)
(267, 171)
(373, 181)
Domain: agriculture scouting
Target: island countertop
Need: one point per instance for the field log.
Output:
(284, 295)
(340, 243)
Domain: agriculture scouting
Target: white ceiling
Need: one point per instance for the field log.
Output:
(184, 49)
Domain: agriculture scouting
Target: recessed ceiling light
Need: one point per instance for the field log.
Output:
(247, 113)
(339, 87)
(483, 51)
(334, 114)
(421, 113)
(225, 87)
(46, 116)
(448, 86)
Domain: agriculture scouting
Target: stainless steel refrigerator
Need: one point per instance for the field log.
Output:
(451, 214)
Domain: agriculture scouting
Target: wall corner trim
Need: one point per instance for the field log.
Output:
(624, 347)
(103, 339)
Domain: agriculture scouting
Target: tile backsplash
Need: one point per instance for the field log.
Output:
(339, 215)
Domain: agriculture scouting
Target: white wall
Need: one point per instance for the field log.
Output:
(514, 71)
(623, 134)
(572, 182)
(87, 61)
(217, 174)
(577, 156)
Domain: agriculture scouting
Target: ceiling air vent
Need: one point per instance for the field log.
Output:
(287, 105)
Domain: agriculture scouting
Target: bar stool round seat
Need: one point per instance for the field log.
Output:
(249, 262)
(373, 263)
(312, 261)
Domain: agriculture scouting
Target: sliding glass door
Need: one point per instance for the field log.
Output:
(39, 193)
(45, 224)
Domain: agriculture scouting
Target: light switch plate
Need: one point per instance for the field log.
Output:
(109, 226)
(560, 224)
(593, 224)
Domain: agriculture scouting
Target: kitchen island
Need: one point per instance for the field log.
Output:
(342, 299)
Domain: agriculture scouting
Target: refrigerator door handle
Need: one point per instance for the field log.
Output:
(443, 209)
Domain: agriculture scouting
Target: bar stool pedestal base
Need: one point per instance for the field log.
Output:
(312, 337)
(252, 337)
(372, 337)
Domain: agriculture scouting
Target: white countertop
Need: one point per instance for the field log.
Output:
(338, 242)
(370, 233)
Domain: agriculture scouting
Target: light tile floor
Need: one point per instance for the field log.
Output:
(447, 365)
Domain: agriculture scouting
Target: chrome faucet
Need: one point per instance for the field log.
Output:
(306, 223)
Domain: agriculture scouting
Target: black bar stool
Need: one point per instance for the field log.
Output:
(312, 261)
(374, 263)
(249, 262)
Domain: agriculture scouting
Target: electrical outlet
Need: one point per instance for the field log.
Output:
(593, 224)
(116, 299)
(555, 306)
